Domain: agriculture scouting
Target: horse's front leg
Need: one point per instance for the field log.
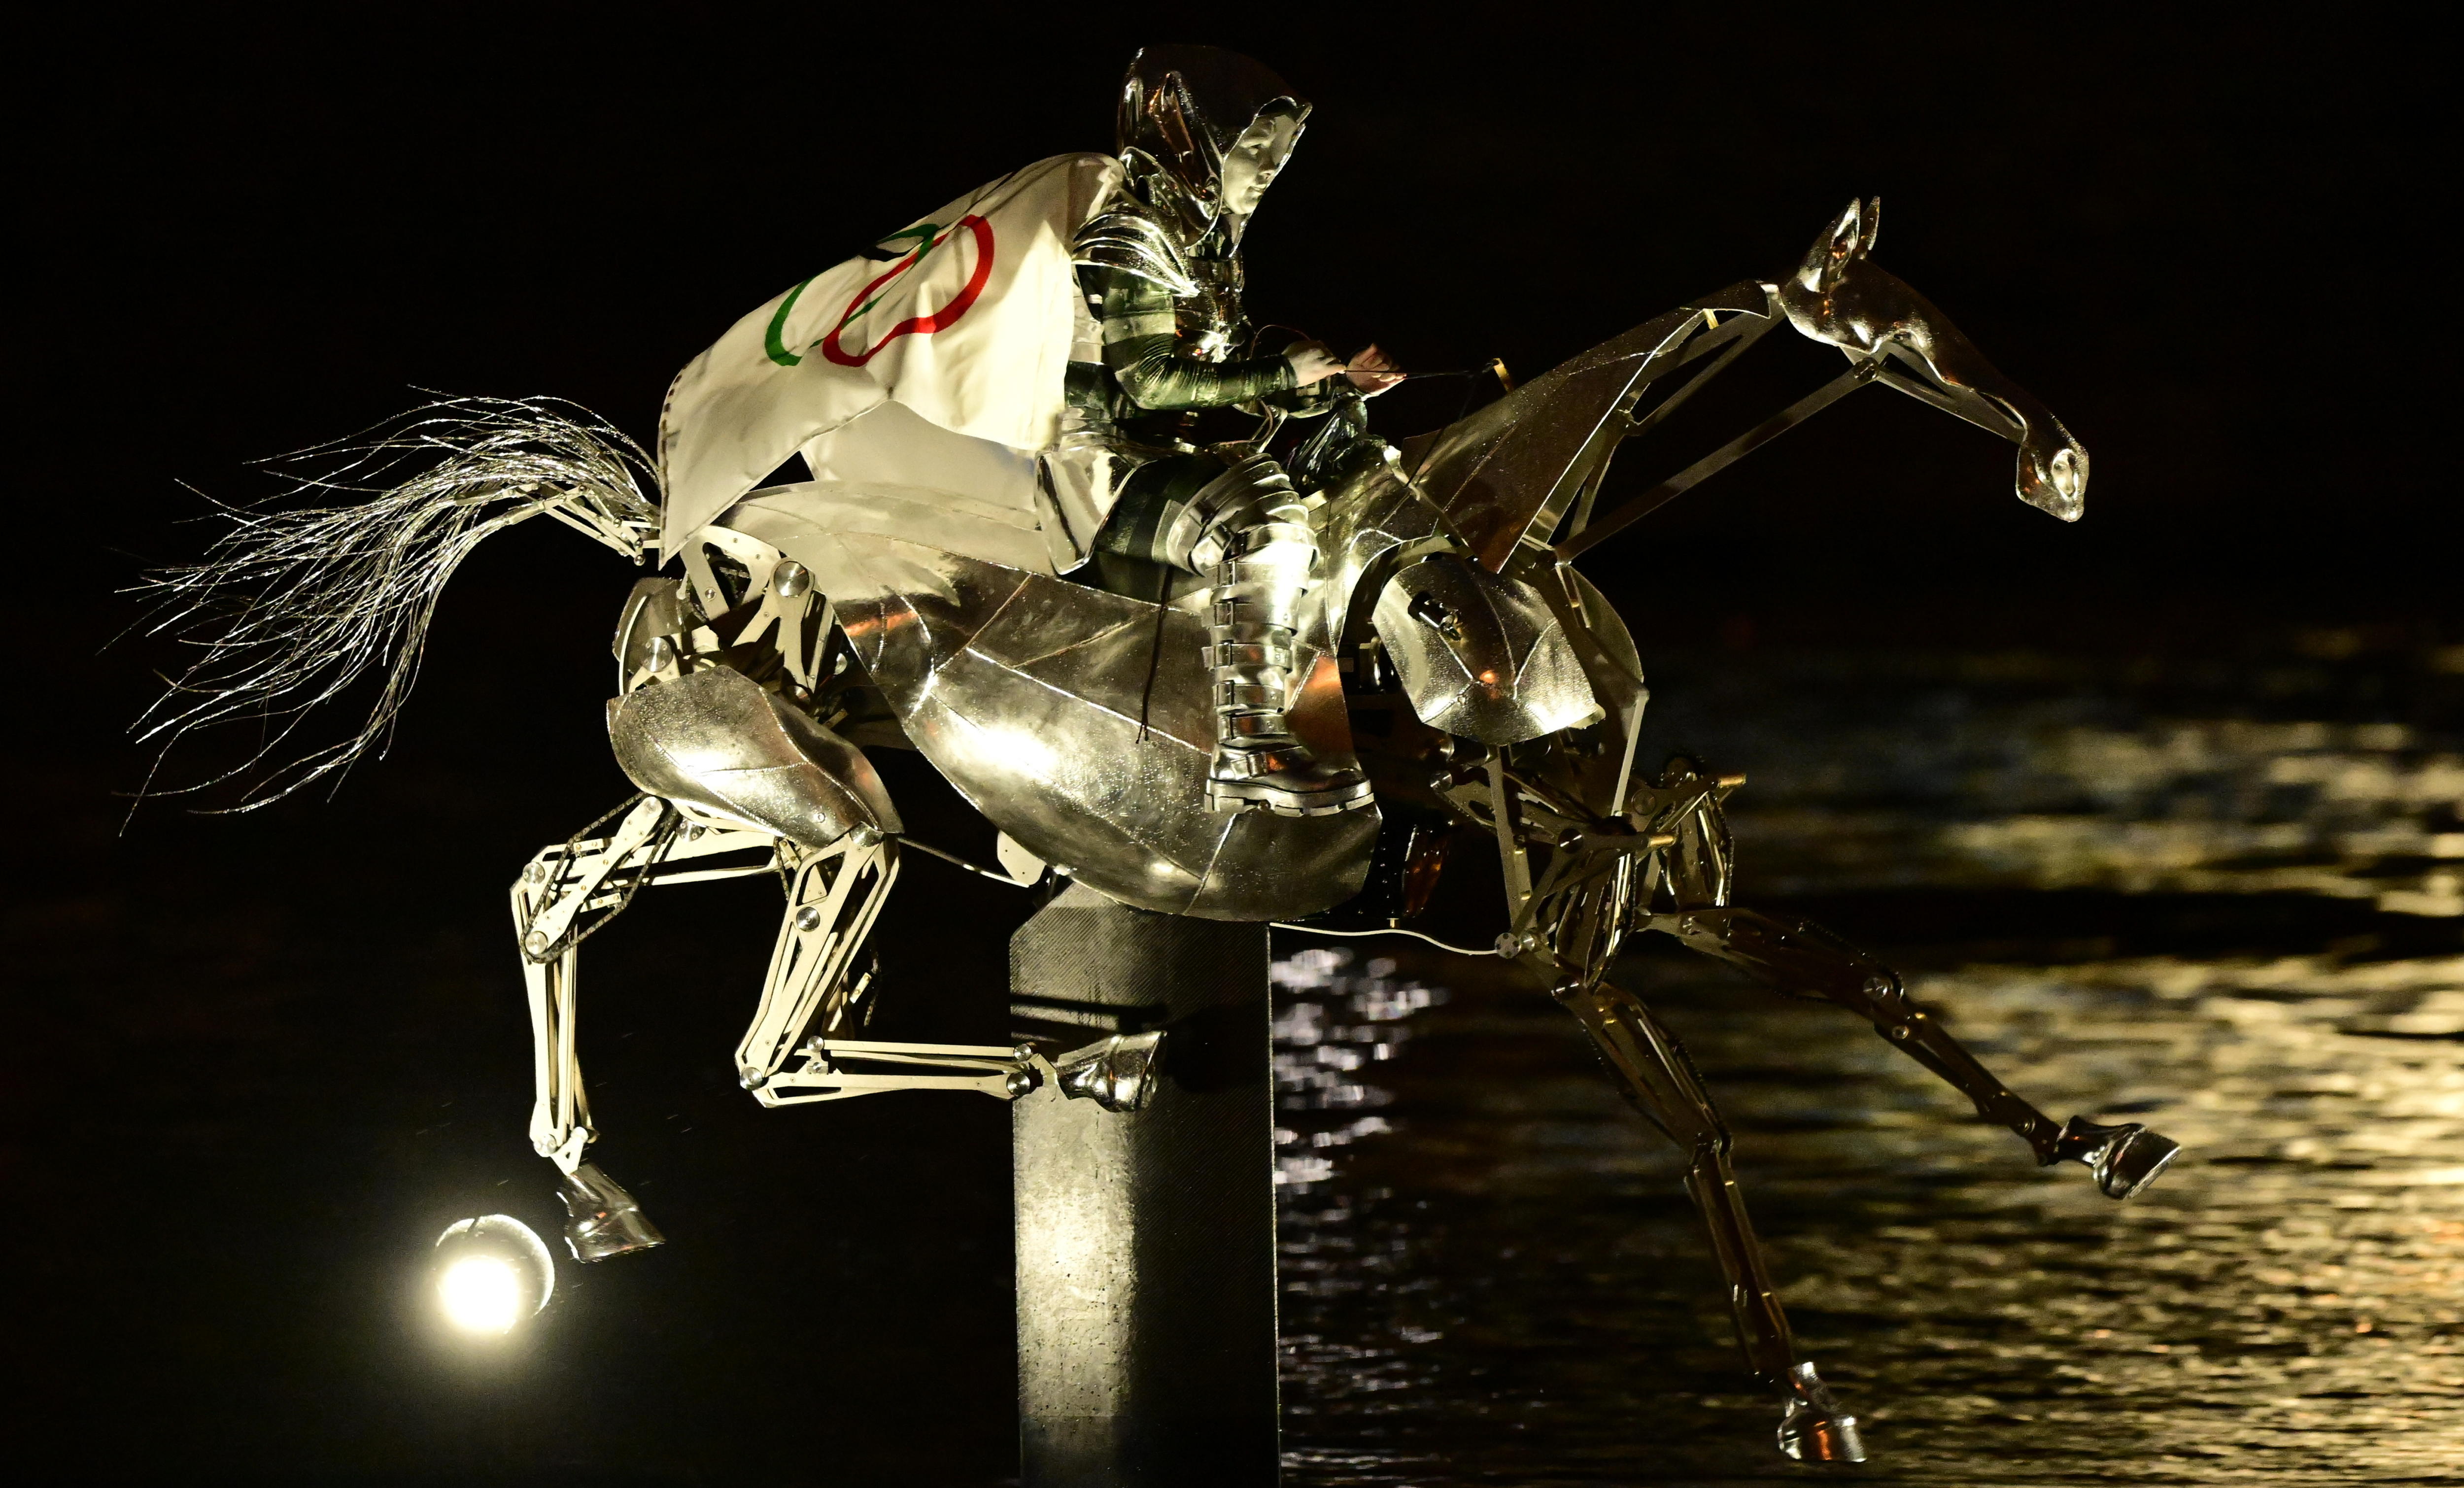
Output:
(1841, 298)
(1653, 1074)
(1805, 960)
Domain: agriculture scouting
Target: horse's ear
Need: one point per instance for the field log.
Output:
(1842, 243)
(1872, 227)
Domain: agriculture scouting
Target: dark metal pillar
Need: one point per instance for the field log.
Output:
(1145, 1241)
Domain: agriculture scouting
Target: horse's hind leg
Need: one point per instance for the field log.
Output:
(559, 887)
(1805, 960)
(1655, 1075)
(555, 888)
(836, 894)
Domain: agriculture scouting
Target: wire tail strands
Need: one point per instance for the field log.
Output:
(336, 579)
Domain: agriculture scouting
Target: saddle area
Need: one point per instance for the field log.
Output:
(893, 472)
(1072, 718)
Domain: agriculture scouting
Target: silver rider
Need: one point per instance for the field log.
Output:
(1202, 133)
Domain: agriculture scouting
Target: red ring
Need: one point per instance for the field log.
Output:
(921, 326)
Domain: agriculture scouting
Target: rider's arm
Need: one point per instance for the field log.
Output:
(1142, 348)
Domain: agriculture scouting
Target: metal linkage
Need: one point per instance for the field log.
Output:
(1803, 959)
(836, 895)
(1667, 866)
(1635, 510)
(832, 1071)
(1656, 1078)
(1117, 1073)
(557, 888)
(1596, 869)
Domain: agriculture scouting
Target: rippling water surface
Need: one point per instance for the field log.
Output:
(2222, 901)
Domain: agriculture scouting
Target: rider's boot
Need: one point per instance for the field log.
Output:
(1249, 527)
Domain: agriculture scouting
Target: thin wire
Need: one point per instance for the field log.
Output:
(1428, 456)
(977, 869)
(1258, 335)
(1312, 929)
(660, 839)
(654, 848)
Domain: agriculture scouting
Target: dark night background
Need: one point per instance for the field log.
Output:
(254, 1063)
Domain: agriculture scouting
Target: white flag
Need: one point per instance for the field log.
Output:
(968, 326)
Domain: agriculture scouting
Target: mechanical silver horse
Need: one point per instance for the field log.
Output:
(1449, 648)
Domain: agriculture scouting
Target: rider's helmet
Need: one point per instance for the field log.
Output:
(1202, 132)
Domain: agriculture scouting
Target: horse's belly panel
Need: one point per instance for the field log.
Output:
(1027, 692)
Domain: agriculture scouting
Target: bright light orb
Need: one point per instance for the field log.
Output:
(492, 1273)
(481, 1294)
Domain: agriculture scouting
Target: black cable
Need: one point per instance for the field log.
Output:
(1154, 648)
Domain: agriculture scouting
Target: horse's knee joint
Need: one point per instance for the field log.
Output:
(1884, 992)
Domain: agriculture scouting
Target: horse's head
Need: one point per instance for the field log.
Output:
(1849, 238)
(2052, 466)
(1840, 296)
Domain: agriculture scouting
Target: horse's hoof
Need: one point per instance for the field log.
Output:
(601, 1218)
(2124, 1159)
(1814, 1430)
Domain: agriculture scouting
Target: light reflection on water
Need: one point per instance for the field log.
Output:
(1492, 1277)
(2032, 772)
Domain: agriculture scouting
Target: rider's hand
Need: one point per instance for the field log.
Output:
(1374, 372)
(1312, 363)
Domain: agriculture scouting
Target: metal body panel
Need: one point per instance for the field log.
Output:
(1369, 526)
(1073, 719)
(1598, 772)
(1480, 655)
(715, 740)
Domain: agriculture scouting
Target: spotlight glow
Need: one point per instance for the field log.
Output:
(481, 1294)
(492, 1272)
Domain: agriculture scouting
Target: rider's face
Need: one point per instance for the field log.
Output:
(1252, 163)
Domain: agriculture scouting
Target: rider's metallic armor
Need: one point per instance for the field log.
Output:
(1201, 135)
